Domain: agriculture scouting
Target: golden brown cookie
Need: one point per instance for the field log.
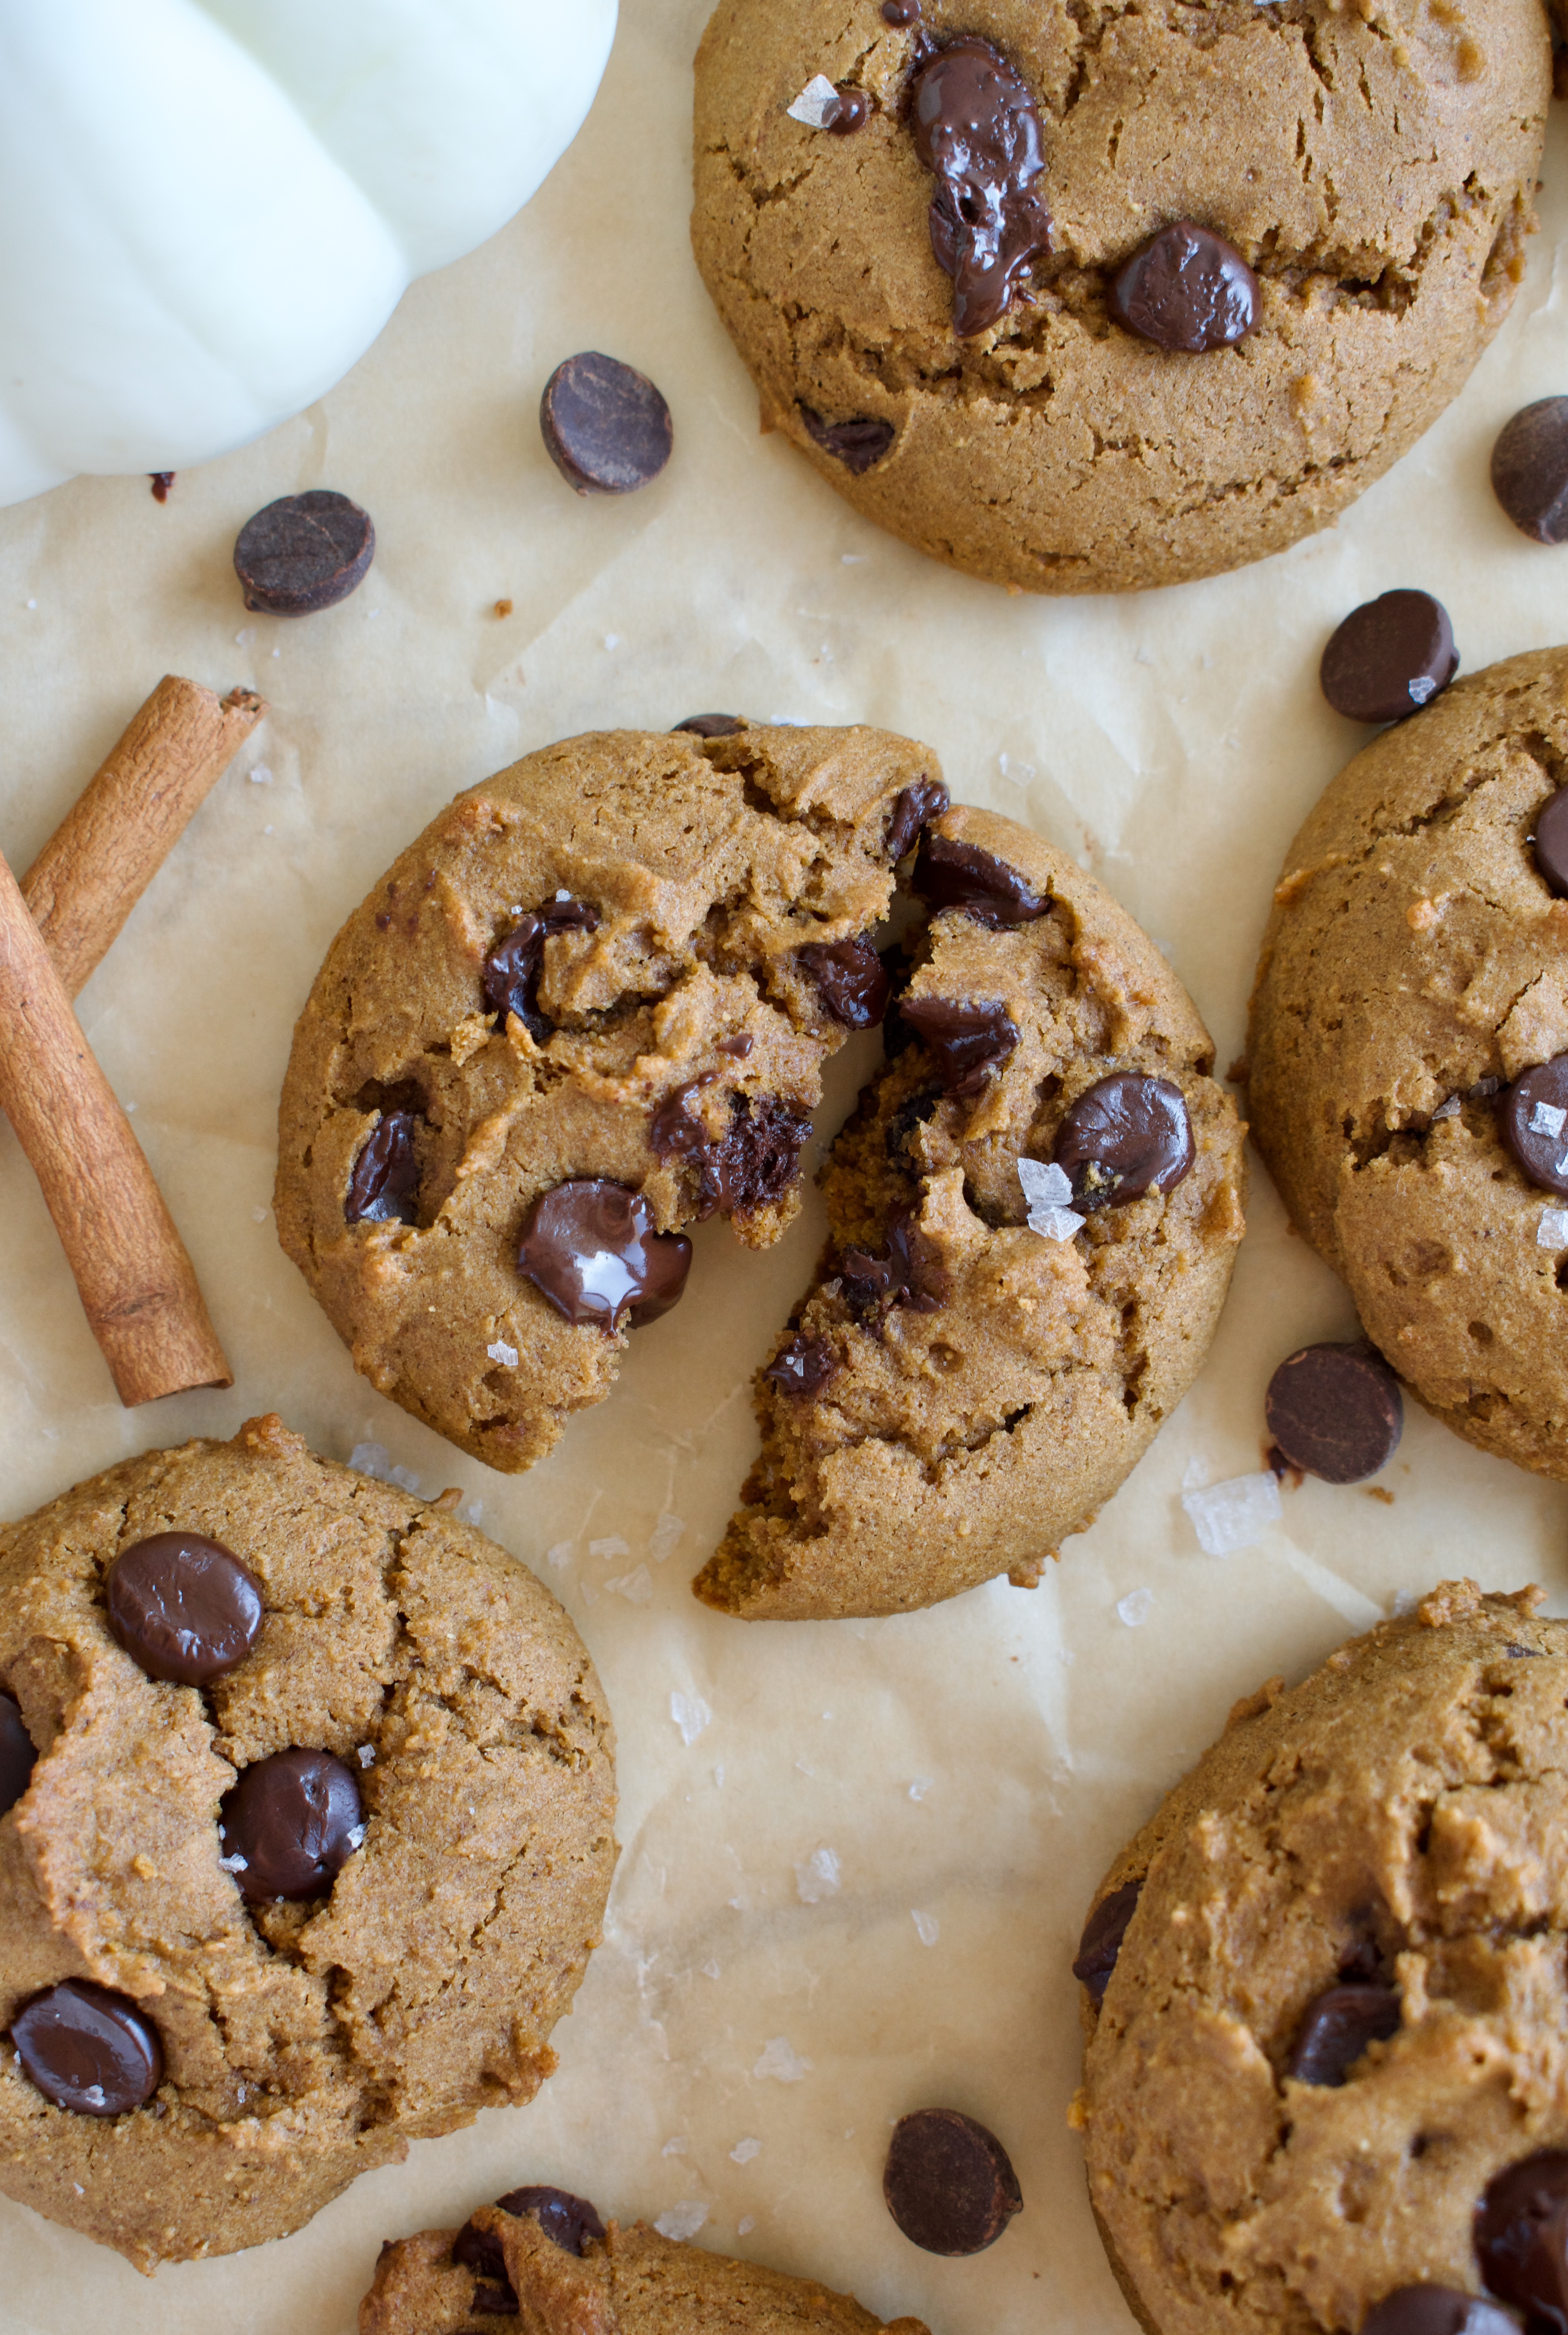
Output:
(1375, 167)
(1327, 2006)
(412, 1978)
(1413, 968)
(546, 2258)
(957, 1391)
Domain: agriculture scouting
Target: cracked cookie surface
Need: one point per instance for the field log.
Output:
(1414, 956)
(1376, 166)
(302, 2042)
(962, 1435)
(1397, 1824)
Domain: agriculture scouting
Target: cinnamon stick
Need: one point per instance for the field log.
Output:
(111, 843)
(137, 1285)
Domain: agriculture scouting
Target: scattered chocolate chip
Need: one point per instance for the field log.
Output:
(854, 110)
(88, 2049)
(567, 2221)
(851, 979)
(1436, 2310)
(184, 1607)
(966, 1041)
(1530, 470)
(161, 482)
(913, 810)
(710, 725)
(901, 12)
(605, 427)
(961, 876)
(906, 1275)
(385, 1186)
(591, 1248)
(977, 129)
(1103, 1933)
(750, 1165)
(1336, 2030)
(17, 1753)
(295, 1818)
(1531, 1119)
(511, 970)
(494, 2299)
(1389, 657)
(1550, 841)
(1522, 2239)
(803, 1366)
(948, 2183)
(304, 553)
(858, 444)
(1127, 1135)
(1335, 1411)
(1186, 289)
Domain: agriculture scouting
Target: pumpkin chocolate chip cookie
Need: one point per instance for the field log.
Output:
(1408, 1051)
(306, 1793)
(1325, 2080)
(1097, 297)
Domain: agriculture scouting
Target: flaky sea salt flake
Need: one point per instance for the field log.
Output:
(778, 2059)
(745, 2226)
(690, 1715)
(503, 1353)
(818, 105)
(819, 1877)
(635, 1587)
(682, 2220)
(1449, 1109)
(371, 1459)
(1135, 1606)
(675, 2146)
(610, 1548)
(927, 1928)
(558, 1556)
(365, 1755)
(666, 1537)
(1546, 1118)
(745, 2150)
(1235, 1514)
(1551, 1232)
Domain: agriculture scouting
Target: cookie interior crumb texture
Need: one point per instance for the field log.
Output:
(1395, 1822)
(1414, 960)
(302, 2043)
(1375, 166)
(951, 1445)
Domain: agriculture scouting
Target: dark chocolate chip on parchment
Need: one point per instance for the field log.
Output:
(1336, 1411)
(1530, 470)
(1389, 657)
(304, 553)
(710, 725)
(949, 2183)
(605, 427)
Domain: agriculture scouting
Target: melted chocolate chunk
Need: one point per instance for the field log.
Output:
(906, 1275)
(901, 12)
(1522, 2239)
(1436, 2310)
(17, 1753)
(1103, 1933)
(967, 1042)
(961, 876)
(1336, 2030)
(851, 979)
(385, 1186)
(913, 812)
(854, 109)
(710, 725)
(605, 427)
(977, 129)
(1550, 842)
(295, 1818)
(304, 553)
(1336, 1411)
(184, 1607)
(1389, 657)
(88, 2049)
(858, 444)
(1127, 1136)
(1530, 470)
(1533, 1119)
(567, 2221)
(751, 1166)
(1186, 289)
(511, 973)
(949, 2183)
(590, 1247)
(803, 1366)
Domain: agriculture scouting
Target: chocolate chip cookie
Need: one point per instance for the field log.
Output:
(1325, 2081)
(588, 1005)
(1034, 1216)
(1408, 1051)
(1093, 298)
(307, 1795)
(546, 2258)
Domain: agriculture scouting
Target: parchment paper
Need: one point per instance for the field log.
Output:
(972, 1769)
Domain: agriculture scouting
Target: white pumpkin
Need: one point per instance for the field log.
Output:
(209, 209)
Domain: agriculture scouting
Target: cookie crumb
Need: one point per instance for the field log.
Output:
(503, 607)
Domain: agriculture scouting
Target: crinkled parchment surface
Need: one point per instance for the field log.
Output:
(976, 1766)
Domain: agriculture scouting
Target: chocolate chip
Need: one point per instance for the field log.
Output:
(88, 2049)
(567, 2221)
(1522, 2239)
(17, 1753)
(977, 128)
(385, 1186)
(851, 979)
(161, 482)
(710, 725)
(803, 1366)
(1186, 289)
(1532, 1118)
(906, 1275)
(494, 2299)
(296, 1819)
(1336, 2030)
(858, 444)
(901, 12)
(751, 1166)
(1436, 2310)
(913, 810)
(304, 553)
(184, 1607)
(1550, 841)
(1389, 657)
(1335, 1411)
(854, 109)
(1127, 1136)
(961, 876)
(966, 1041)
(949, 2183)
(1103, 1933)
(1530, 470)
(511, 971)
(605, 427)
(590, 1246)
